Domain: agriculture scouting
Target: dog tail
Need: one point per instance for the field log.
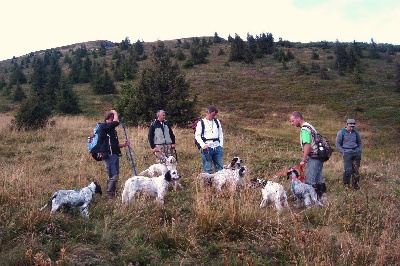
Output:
(49, 202)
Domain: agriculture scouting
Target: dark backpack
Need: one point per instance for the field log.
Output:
(324, 151)
(202, 131)
(94, 144)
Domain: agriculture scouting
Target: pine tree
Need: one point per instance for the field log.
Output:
(237, 52)
(217, 39)
(161, 86)
(19, 94)
(32, 114)
(138, 47)
(66, 99)
(341, 57)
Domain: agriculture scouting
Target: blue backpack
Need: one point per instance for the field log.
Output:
(93, 144)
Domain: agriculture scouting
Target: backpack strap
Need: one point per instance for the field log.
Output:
(202, 130)
(344, 132)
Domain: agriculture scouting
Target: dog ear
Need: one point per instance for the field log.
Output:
(168, 176)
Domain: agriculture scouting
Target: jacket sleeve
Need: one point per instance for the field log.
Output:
(171, 133)
(359, 142)
(339, 141)
(151, 136)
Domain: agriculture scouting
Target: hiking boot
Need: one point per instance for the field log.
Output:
(356, 186)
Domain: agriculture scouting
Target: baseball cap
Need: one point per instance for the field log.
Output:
(351, 121)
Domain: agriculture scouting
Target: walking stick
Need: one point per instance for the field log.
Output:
(129, 146)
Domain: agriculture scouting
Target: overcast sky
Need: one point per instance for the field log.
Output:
(33, 25)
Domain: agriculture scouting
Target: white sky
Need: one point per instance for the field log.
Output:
(33, 25)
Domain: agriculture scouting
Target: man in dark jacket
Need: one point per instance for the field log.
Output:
(161, 137)
(349, 144)
(111, 147)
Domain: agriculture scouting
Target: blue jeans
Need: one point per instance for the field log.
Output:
(314, 172)
(112, 165)
(210, 156)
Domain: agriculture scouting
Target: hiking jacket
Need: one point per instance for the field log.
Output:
(108, 138)
(160, 133)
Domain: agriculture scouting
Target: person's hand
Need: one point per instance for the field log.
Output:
(155, 149)
(173, 146)
(302, 163)
(205, 147)
(127, 143)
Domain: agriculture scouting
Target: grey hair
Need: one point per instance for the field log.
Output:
(159, 112)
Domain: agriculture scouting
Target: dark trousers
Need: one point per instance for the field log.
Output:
(351, 163)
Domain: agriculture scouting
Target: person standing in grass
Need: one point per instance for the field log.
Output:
(349, 144)
(208, 134)
(161, 137)
(111, 146)
(314, 175)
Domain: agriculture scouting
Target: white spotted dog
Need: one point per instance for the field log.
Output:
(274, 192)
(156, 187)
(230, 178)
(158, 169)
(257, 183)
(235, 163)
(302, 192)
(74, 198)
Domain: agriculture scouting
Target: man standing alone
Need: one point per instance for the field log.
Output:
(349, 144)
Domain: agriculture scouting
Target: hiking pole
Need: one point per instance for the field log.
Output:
(129, 146)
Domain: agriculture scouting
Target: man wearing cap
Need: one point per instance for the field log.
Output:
(349, 144)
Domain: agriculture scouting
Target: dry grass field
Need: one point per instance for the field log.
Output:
(197, 225)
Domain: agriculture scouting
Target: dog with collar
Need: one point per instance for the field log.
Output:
(74, 198)
(166, 163)
(156, 187)
(302, 192)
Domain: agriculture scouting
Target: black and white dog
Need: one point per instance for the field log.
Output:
(155, 187)
(231, 178)
(167, 163)
(302, 192)
(74, 198)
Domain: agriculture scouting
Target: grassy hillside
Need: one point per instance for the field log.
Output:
(198, 226)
